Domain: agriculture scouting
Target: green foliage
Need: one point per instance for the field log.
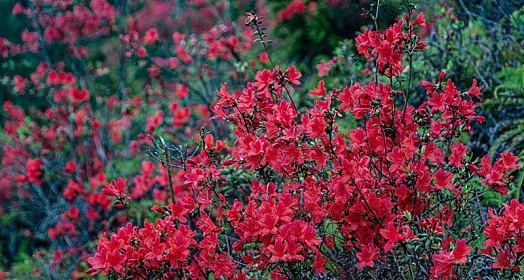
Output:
(318, 32)
(508, 96)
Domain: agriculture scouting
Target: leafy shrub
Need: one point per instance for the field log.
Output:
(373, 200)
(93, 82)
(155, 140)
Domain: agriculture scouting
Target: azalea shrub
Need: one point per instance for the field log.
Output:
(174, 140)
(87, 82)
(457, 44)
(367, 182)
(464, 44)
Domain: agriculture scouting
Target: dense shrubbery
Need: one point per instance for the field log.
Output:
(103, 79)
(165, 140)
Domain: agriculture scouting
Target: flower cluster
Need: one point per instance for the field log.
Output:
(505, 236)
(445, 259)
(69, 25)
(387, 48)
(159, 243)
(296, 7)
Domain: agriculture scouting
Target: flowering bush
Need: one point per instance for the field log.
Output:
(364, 183)
(97, 81)
(150, 140)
